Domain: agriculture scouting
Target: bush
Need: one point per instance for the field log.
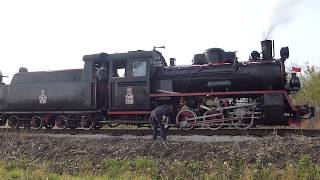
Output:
(310, 90)
(309, 93)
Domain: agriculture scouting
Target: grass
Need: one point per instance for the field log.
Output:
(313, 123)
(143, 168)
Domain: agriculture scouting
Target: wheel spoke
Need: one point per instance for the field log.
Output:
(36, 122)
(214, 120)
(182, 119)
(61, 122)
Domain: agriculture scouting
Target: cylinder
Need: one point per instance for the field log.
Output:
(267, 49)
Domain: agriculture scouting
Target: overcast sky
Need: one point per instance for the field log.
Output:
(51, 35)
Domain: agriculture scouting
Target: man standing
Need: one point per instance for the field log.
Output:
(158, 118)
(102, 75)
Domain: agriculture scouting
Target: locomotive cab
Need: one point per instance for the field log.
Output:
(128, 78)
(129, 84)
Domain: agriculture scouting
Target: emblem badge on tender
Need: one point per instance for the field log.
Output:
(129, 99)
(43, 97)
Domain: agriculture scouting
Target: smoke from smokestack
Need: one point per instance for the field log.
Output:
(280, 13)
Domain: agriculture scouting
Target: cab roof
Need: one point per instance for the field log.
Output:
(156, 55)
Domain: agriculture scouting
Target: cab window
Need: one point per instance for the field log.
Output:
(139, 68)
(119, 69)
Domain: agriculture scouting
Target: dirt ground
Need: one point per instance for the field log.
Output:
(73, 150)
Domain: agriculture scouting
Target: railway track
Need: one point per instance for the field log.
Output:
(142, 132)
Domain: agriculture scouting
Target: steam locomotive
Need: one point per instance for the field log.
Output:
(216, 91)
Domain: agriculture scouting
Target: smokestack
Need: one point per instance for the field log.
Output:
(172, 61)
(267, 47)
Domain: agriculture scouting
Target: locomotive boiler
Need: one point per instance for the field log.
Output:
(216, 91)
(217, 70)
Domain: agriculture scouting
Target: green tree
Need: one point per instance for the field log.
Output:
(310, 90)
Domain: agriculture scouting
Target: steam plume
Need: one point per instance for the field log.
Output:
(280, 13)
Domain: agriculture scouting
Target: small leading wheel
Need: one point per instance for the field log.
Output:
(61, 122)
(87, 122)
(36, 122)
(90, 124)
(184, 119)
(215, 119)
(13, 122)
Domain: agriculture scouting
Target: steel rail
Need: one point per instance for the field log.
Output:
(259, 132)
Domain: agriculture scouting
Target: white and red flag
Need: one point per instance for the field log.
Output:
(296, 69)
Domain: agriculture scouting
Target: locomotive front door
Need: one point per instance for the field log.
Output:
(130, 82)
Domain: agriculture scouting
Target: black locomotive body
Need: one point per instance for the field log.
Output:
(50, 91)
(224, 77)
(216, 91)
